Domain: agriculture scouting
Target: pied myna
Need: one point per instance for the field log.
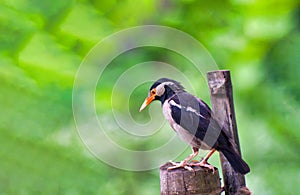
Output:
(193, 121)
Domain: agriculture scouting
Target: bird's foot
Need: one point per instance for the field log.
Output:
(182, 164)
(203, 163)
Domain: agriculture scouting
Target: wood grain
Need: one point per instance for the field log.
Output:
(183, 182)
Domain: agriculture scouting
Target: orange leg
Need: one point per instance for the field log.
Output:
(209, 155)
(184, 163)
(203, 162)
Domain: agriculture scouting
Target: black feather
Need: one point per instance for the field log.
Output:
(197, 121)
(193, 115)
(196, 117)
(174, 85)
(237, 163)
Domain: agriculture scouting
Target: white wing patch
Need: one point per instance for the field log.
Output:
(188, 109)
(173, 103)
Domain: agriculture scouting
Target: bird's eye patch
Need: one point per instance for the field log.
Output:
(153, 91)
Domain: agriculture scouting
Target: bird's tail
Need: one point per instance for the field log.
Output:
(235, 160)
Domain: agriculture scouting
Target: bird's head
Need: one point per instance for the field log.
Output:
(162, 89)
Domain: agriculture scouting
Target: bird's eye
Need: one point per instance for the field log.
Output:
(152, 92)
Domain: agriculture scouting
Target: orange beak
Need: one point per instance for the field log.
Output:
(147, 101)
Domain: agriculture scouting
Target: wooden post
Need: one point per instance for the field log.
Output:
(222, 105)
(183, 182)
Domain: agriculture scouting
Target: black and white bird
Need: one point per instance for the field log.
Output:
(193, 121)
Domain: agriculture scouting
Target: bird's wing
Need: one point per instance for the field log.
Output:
(195, 116)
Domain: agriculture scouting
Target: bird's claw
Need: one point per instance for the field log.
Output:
(179, 165)
(188, 166)
(203, 163)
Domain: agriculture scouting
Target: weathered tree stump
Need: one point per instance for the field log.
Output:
(183, 182)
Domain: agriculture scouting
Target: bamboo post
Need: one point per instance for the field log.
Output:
(183, 182)
(222, 105)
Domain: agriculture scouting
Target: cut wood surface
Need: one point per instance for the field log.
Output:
(183, 182)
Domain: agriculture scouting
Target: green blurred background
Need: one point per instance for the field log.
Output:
(42, 44)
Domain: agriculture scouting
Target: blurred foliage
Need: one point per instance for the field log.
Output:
(42, 43)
